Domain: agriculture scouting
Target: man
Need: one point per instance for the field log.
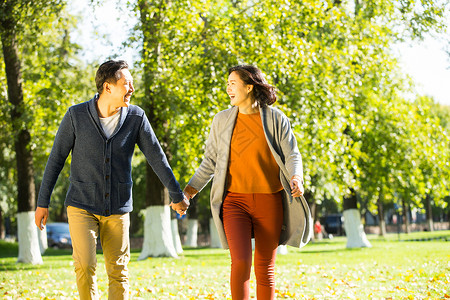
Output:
(102, 134)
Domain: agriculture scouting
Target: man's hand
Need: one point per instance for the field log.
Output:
(40, 217)
(297, 188)
(182, 206)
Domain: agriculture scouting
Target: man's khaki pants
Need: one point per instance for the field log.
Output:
(114, 237)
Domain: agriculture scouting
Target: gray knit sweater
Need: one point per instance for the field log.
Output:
(100, 172)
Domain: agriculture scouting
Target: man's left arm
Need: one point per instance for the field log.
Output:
(150, 146)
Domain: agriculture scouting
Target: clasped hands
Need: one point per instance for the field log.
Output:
(182, 206)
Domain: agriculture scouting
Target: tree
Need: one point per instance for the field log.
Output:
(35, 58)
(7, 165)
(157, 242)
(181, 76)
(192, 227)
(432, 158)
(10, 21)
(330, 61)
(382, 116)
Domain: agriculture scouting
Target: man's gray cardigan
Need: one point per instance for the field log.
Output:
(100, 171)
(297, 221)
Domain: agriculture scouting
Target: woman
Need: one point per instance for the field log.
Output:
(252, 154)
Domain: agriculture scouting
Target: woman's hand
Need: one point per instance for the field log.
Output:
(297, 188)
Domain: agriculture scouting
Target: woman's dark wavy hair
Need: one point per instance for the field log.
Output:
(263, 92)
(108, 72)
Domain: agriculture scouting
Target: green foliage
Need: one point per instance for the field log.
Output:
(53, 79)
(433, 155)
(337, 80)
(7, 162)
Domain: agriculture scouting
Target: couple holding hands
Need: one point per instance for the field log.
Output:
(251, 155)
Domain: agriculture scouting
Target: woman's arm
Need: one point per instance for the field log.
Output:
(205, 171)
(288, 145)
(293, 158)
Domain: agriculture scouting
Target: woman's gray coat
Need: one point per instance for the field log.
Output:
(297, 224)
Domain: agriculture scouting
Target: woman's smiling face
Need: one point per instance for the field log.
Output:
(238, 91)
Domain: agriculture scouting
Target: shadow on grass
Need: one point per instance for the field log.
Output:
(330, 250)
(201, 253)
(9, 253)
(203, 256)
(8, 249)
(57, 252)
(11, 264)
(56, 258)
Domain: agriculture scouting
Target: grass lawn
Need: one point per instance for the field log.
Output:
(391, 269)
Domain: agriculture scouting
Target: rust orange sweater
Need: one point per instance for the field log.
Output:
(251, 167)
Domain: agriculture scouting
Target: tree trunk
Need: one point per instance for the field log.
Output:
(429, 213)
(42, 239)
(354, 230)
(313, 208)
(314, 213)
(448, 218)
(156, 196)
(192, 231)
(192, 227)
(158, 239)
(176, 236)
(381, 216)
(282, 249)
(24, 158)
(406, 214)
(29, 250)
(214, 235)
(2, 227)
(42, 234)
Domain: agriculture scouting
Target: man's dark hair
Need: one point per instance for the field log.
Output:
(109, 72)
(264, 93)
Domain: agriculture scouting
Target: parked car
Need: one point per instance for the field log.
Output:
(334, 224)
(58, 235)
